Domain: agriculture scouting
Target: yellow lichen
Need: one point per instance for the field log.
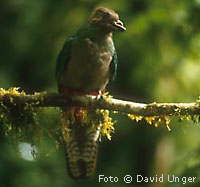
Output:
(107, 97)
(107, 125)
(163, 120)
(18, 121)
(149, 119)
(198, 100)
(134, 117)
(98, 119)
(152, 120)
(167, 122)
(185, 117)
(12, 91)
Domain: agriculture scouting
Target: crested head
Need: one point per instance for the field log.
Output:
(106, 19)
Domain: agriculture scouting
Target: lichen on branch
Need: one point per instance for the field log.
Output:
(20, 117)
(15, 97)
(157, 112)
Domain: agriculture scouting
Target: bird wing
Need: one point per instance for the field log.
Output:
(64, 57)
(113, 66)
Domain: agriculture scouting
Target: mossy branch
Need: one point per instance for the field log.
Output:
(14, 98)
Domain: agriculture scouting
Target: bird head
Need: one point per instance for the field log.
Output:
(106, 19)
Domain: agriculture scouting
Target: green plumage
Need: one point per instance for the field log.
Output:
(87, 61)
(85, 65)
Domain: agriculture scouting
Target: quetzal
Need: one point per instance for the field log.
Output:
(85, 65)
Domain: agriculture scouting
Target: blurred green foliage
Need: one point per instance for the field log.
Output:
(158, 61)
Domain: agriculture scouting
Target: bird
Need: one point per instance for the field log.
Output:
(85, 64)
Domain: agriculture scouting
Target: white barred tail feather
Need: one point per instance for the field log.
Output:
(81, 141)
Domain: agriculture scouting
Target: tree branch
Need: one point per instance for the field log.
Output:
(102, 102)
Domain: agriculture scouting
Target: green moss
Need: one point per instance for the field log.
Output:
(107, 125)
(95, 119)
(153, 120)
(19, 122)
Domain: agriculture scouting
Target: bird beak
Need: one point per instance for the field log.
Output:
(119, 25)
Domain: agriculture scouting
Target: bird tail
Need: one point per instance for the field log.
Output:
(81, 136)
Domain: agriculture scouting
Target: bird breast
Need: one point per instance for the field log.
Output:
(88, 68)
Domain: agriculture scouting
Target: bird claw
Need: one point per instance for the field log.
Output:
(98, 94)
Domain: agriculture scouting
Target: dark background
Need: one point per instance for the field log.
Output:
(158, 61)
